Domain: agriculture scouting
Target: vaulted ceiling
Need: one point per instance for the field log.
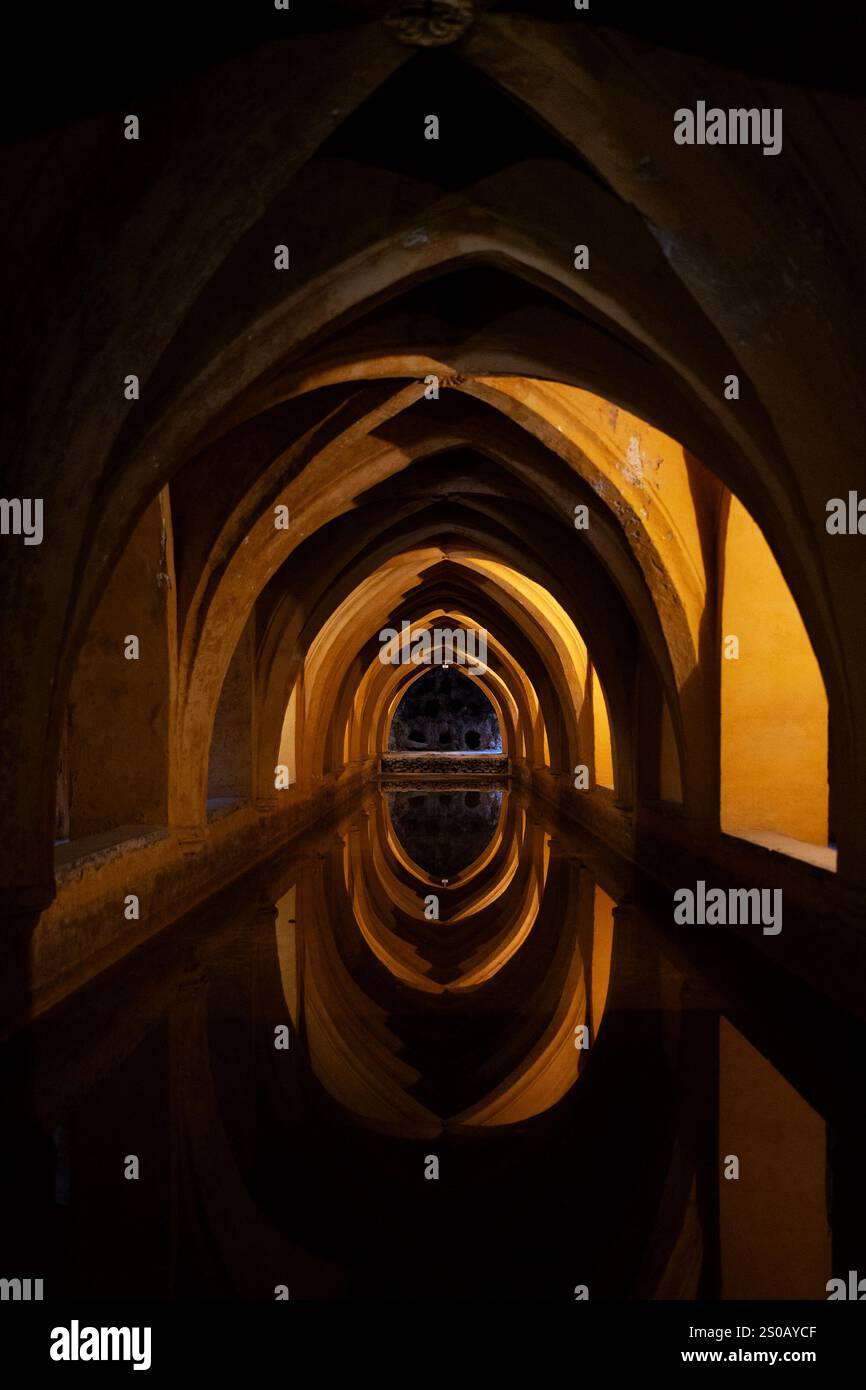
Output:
(451, 258)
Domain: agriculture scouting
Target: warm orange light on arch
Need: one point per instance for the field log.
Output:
(774, 705)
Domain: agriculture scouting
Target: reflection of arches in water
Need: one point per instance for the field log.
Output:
(559, 1154)
(444, 832)
(519, 915)
(445, 711)
(393, 1073)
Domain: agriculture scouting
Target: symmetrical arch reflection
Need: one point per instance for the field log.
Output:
(434, 412)
(515, 918)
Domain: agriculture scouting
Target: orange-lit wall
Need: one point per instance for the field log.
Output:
(601, 732)
(774, 707)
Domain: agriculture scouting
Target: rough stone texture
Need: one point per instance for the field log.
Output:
(445, 710)
(442, 765)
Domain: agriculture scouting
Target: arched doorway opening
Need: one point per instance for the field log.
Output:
(445, 712)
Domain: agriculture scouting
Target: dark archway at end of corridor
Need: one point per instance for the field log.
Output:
(445, 712)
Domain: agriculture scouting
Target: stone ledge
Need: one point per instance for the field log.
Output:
(219, 806)
(92, 851)
(821, 856)
(443, 764)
